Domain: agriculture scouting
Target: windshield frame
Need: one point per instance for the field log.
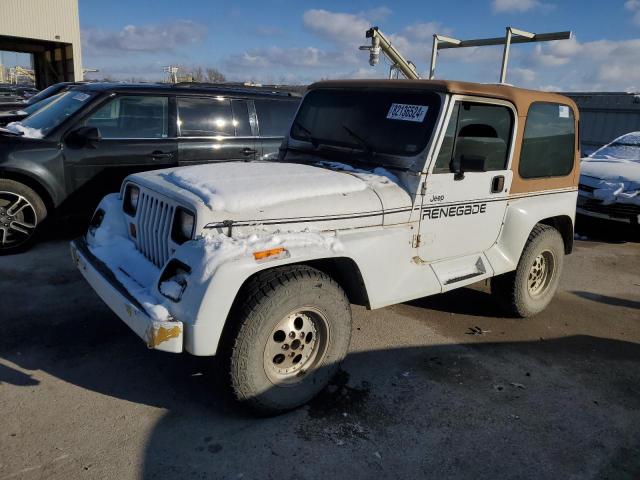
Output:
(375, 156)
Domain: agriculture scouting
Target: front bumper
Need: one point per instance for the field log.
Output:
(618, 212)
(167, 336)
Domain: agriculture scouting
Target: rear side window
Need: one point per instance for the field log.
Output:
(548, 146)
(480, 130)
(275, 116)
(136, 116)
(205, 117)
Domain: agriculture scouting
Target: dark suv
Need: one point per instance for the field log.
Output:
(82, 145)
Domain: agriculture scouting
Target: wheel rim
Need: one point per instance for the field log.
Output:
(18, 219)
(541, 273)
(296, 345)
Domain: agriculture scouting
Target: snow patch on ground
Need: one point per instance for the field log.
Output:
(29, 132)
(240, 186)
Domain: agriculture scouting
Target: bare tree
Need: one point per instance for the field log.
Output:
(198, 74)
(215, 76)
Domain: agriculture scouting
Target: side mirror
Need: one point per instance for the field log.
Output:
(84, 137)
(467, 163)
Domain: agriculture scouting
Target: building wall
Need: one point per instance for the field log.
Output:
(50, 20)
(605, 116)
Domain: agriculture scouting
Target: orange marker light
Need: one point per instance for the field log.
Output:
(261, 255)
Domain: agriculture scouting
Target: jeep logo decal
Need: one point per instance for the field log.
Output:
(434, 213)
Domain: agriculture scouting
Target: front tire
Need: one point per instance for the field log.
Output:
(529, 289)
(290, 335)
(21, 212)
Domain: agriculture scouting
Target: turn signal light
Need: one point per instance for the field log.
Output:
(272, 252)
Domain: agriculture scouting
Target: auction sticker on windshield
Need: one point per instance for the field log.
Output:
(81, 96)
(410, 113)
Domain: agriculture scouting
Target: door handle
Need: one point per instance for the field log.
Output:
(248, 151)
(497, 184)
(158, 155)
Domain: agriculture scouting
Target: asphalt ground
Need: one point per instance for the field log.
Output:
(441, 387)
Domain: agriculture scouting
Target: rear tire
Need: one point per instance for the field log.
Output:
(288, 339)
(529, 289)
(22, 211)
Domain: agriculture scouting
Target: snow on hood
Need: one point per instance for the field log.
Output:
(614, 171)
(625, 148)
(28, 132)
(241, 186)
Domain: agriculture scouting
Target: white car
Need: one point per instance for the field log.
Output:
(610, 181)
(384, 192)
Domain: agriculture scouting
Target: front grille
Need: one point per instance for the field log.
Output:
(154, 226)
(618, 210)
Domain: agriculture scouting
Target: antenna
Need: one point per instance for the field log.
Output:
(513, 35)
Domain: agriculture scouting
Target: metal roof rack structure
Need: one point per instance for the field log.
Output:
(381, 44)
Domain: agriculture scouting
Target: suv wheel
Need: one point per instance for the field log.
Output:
(21, 211)
(529, 289)
(291, 334)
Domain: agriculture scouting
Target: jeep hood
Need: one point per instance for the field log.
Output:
(323, 196)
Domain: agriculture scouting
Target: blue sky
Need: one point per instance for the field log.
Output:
(303, 41)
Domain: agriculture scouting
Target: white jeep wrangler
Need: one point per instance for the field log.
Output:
(383, 192)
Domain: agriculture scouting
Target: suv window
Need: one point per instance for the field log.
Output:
(549, 141)
(241, 118)
(136, 116)
(477, 129)
(274, 116)
(205, 117)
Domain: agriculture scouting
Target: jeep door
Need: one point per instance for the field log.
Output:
(135, 134)
(274, 120)
(214, 129)
(462, 211)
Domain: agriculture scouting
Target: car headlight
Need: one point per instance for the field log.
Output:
(184, 223)
(131, 196)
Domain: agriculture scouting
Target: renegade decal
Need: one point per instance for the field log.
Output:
(434, 213)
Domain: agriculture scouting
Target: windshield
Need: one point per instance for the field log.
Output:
(34, 107)
(626, 147)
(393, 122)
(50, 116)
(47, 92)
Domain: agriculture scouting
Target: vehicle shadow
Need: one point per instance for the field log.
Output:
(473, 301)
(608, 300)
(606, 231)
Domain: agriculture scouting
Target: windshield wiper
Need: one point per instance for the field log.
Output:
(309, 134)
(361, 141)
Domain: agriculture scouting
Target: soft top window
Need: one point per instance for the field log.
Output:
(379, 121)
(548, 146)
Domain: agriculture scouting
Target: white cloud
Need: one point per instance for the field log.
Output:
(634, 6)
(339, 28)
(520, 6)
(143, 38)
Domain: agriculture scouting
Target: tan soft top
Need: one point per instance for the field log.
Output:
(520, 97)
